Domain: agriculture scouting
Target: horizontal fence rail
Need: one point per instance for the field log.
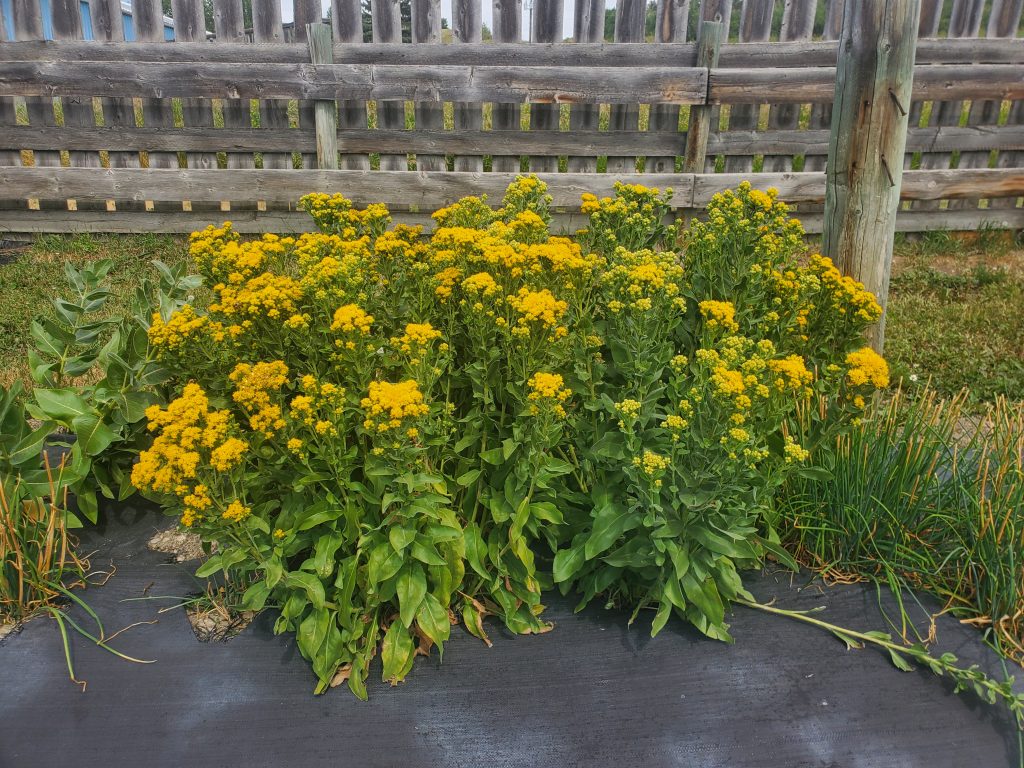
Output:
(101, 133)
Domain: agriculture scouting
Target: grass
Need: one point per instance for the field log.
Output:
(955, 314)
(32, 278)
(923, 496)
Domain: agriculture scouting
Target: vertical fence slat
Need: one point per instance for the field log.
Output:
(306, 12)
(229, 26)
(266, 28)
(108, 27)
(147, 16)
(190, 26)
(964, 21)
(669, 27)
(28, 25)
(321, 51)
(588, 16)
(347, 22)
(77, 110)
(715, 10)
(629, 28)
(821, 114)
(467, 27)
(710, 35)
(426, 28)
(797, 24)
(8, 111)
(931, 16)
(387, 28)
(508, 25)
(755, 27)
(547, 28)
(1003, 20)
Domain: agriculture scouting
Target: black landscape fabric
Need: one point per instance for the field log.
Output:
(593, 692)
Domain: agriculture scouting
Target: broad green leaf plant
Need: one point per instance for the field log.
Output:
(96, 377)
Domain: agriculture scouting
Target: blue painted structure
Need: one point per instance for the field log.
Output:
(47, 14)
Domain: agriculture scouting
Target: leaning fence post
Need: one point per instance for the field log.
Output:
(709, 41)
(874, 76)
(321, 51)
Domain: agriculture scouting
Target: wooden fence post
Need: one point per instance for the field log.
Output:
(709, 41)
(321, 51)
(874, 75)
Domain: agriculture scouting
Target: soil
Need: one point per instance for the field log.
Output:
(213, 622)
(182, 544)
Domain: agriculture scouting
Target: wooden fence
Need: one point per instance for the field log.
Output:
(150, 135)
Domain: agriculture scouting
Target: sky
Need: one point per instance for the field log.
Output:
(287, 14)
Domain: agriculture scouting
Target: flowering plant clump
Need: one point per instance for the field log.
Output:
(388, 432)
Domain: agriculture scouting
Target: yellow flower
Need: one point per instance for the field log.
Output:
(236, 512)
(867, 367)
(719, 313)
(538, 306)
(351, 318)
(228, 454)
(387, 404)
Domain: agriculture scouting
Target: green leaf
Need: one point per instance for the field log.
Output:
(61, 405)
(324, 551)
(30, 447)
(610, 522)
(818, 474)
(255, 597)
(221, 561)
(508, 447)
(661, 617)
(476, 550)
(468, 478)
(568, 561)
(704, 595)
(397, 652)
(385, 562)
(432, 619)
(411, 587)
(780, 554)
(401, 537)
(310, 583)
(313, 631)
(425, 552)
(548, 512)
(87, 503)
(899, 661)
(93, 435)
(493, 456)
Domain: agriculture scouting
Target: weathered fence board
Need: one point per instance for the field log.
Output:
(772, 84)
(429, 189)
(347, 23)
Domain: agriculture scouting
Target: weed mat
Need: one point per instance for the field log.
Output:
(593, 692)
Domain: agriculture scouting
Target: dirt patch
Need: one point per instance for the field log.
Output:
(7, 628)
(182, 544)
(212, 622)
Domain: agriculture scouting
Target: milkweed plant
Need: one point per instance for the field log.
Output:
(389, 432)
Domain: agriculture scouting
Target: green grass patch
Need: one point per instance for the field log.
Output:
(955, 315)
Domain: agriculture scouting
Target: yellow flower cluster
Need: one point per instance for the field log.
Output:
(253, 387)
(847, 296)
(791, 373)
(652, 464)
(719, 314)
(538, 306)
(320, 408)
(547, 392)
(481, 283)
(416, 338)
(793, 452)
(236, 512)
(182, 327)
(266, 294)
(387, 404)
(351, 318)
(335, 214)
(867, 367)
(187, 429)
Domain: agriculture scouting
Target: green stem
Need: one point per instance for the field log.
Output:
(983, 685)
